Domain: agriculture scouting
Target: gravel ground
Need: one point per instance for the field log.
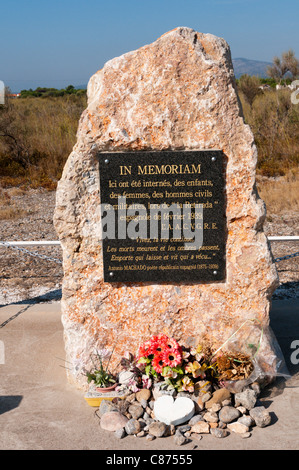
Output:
(24, 277)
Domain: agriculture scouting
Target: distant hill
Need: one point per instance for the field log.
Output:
(251, 67)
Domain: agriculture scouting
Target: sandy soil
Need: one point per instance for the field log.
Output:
(24, 277)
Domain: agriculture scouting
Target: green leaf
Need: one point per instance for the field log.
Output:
(165, 370)
(143, 360)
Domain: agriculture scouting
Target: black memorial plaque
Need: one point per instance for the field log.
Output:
(178, 197)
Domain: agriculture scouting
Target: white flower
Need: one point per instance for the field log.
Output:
(103, 353)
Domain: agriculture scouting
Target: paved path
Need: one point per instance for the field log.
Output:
(40, 410)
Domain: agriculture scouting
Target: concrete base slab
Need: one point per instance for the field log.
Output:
(39, 410)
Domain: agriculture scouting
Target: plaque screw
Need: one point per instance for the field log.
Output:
(214, 272)
(111, 274)
(106, 161)
(213, 159)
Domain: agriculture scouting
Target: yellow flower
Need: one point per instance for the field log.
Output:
(187, 384)
(197, 352)
(195, 369)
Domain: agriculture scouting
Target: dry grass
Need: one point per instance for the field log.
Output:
(11, 212)
(280, 194)
(274, 121)
(43, 133)
(9, 209)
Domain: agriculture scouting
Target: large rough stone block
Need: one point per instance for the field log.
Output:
(177, 93)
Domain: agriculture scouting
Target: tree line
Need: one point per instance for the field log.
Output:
(42, 92)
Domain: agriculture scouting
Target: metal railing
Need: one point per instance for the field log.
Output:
(292, 238)
(17, 245)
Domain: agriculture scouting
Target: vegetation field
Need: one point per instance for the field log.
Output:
(38, 131)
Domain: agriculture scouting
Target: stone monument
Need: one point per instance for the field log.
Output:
(154, 111)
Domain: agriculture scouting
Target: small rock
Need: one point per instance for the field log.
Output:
(149, 421)
(123, 406)
(143, 394)
(218, 397)
(136, 411)
(183, 394)
(150, 437)
(179, 439)
(199, 404)
(215, 408)
(157, 428)
(246, 399)
(237, 427)
(206, 397)
(132, 427)
(245, 435)
(169, 431)
(211, 417)
(256, 387)
(227, 414)
(151, 404)
(221, 425)
(142, 422)
(202, 387)
(157, 392)
(120, 433)
(184, 428)
(131, 398)
(202, 427)
(260, 416)
(113, 420)
(213, 425)
(242, 409)
(218, 432)
(195, 420)
(140, 434)
(148, 410)
(198, 437)
(247, 420)
(143, 403)
(107, 406)
(226, 402)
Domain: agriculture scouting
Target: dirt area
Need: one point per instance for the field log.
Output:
(24, 277)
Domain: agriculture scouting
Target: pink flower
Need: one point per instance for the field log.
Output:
(146, 381)
(172, 357)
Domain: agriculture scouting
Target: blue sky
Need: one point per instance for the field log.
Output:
(56, 43)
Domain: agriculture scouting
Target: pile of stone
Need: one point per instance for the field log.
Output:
(218, 412)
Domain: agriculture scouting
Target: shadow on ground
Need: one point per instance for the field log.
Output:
(9, 402)
(53, 295)
(284, 323)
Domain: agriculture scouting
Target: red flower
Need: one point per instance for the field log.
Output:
(172, 357)
(172, 345)
(157, 363)
(162, 338)
(156, 348)
(145, 349)
(165, 351)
